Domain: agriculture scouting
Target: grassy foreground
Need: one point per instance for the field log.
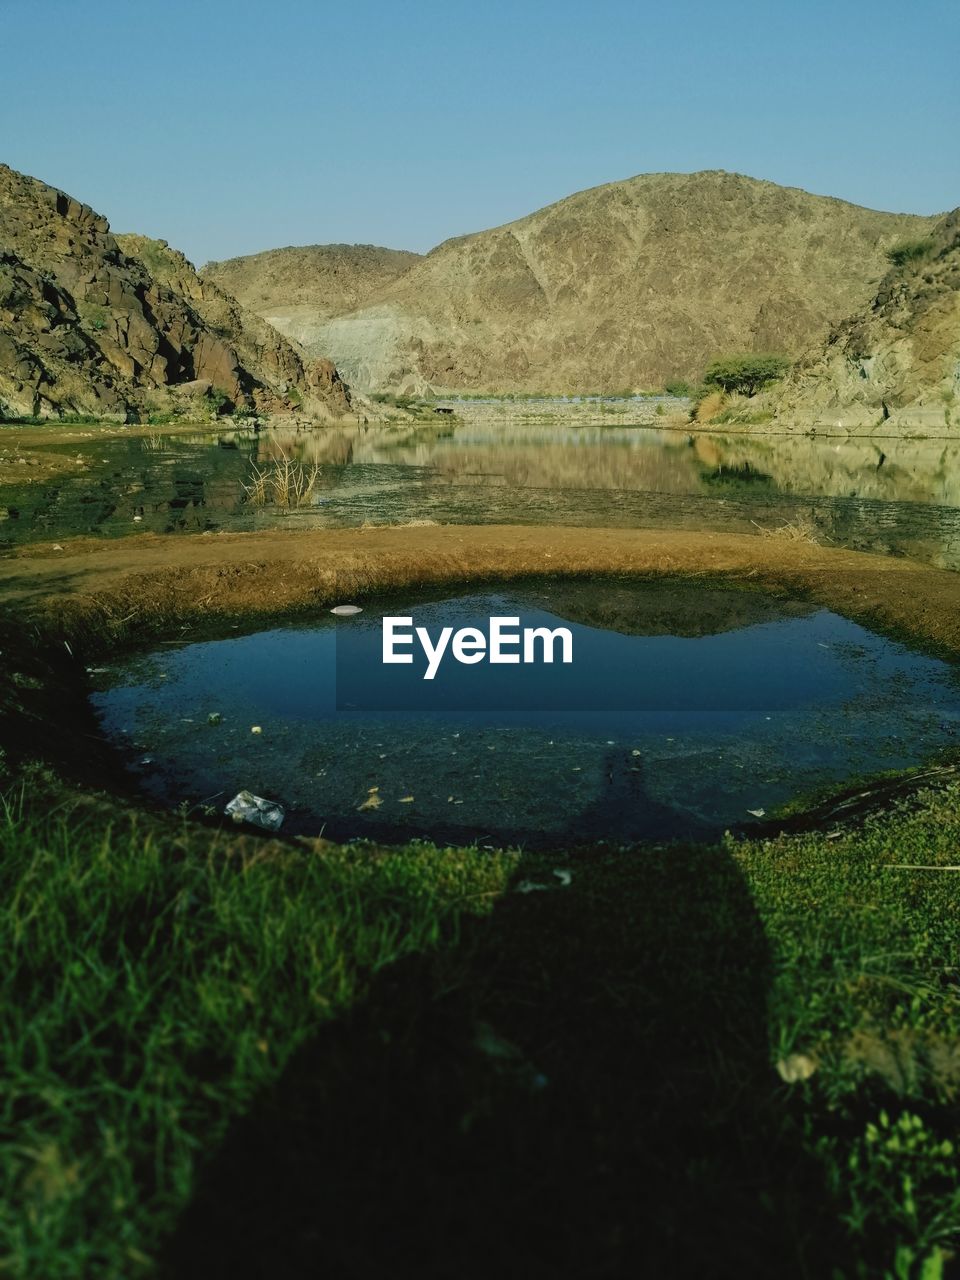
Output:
(230, 1057)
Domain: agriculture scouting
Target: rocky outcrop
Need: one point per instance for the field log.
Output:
(895, 365)
(122, 325)
(624, 286)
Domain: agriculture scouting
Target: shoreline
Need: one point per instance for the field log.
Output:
(145, 584)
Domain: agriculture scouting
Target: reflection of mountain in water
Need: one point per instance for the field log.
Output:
(675, 608)
(892, 496)
(926, 471)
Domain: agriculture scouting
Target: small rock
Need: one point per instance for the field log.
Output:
(795, 1067)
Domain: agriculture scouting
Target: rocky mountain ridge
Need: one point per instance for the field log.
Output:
(123, 326)
(628, 285)
(894, 364)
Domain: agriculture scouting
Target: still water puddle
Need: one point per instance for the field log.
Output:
(683, 710)
(899, 497)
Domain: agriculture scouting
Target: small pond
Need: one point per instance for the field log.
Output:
(683, 710)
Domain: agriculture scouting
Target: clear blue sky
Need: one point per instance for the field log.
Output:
(228, 127)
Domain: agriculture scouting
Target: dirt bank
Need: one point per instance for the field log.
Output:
(135, 588)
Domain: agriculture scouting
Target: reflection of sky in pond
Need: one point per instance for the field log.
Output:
(899, 496)
(643, 735)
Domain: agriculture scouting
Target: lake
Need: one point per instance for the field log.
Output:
(896, 497)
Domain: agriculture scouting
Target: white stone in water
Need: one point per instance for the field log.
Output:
(346, 610)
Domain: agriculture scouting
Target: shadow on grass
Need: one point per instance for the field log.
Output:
(579, 1086)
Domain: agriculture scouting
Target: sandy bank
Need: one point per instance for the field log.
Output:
(134, 588)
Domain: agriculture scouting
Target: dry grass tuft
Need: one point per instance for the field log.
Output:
(283, 484)
(710, 406)
(802, 529)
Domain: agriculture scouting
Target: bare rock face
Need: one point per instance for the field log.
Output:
(96, 323)
(624, 286)
(895, 364)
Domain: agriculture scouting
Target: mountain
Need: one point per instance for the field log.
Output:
(123, 325)
(295, 288)
(895, 363)
(625, 285)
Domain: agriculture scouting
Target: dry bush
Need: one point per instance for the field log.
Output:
(283, 484)
(710, 406)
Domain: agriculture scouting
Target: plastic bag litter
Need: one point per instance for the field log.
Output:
(346, 610)
(246, 807)
(531, 886)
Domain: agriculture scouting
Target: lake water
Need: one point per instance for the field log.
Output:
(684, 709)
(891, 496)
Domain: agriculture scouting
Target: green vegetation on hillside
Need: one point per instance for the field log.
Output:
(910, 251)
(418, 406)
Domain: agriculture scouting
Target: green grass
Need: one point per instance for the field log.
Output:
(151, 984)
(744, 417)
(62, 419)
(331, 1053)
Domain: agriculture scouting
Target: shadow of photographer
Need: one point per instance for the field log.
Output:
(579, 1085)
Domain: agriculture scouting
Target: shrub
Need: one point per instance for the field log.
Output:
(217, 400)
(93, 315)
(678, 387)
(910, 251)
(745, 374)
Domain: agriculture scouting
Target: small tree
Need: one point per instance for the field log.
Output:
(746, 374)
